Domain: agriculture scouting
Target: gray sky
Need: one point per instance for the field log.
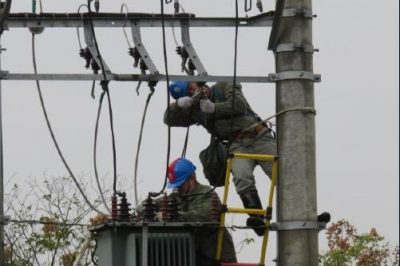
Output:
(356, 102)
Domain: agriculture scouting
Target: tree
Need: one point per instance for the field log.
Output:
(347, 247)
(47, 225)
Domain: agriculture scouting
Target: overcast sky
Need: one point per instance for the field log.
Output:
(357, 104)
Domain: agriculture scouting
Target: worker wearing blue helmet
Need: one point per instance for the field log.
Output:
(244, 128)
(195, 206)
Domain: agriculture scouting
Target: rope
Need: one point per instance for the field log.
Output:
(303, 109)
(52, 133)
(140, 144)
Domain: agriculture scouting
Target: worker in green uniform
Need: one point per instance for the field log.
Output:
(195, 206)
(247, 132)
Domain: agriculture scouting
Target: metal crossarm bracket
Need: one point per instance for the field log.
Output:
(291, 47)
(189, 48)
(89, 39)
(137, 39)
(297, 225)
(5, 75)
(297, 12)
(286, 75)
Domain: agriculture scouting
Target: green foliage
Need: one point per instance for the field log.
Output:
(347, 247)
(44, 235)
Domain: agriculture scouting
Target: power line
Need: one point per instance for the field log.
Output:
(52, 133)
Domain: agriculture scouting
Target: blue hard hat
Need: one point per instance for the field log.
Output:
(178, 89)
(179, 172)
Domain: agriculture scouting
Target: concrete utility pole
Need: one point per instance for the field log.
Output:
(297, 200)
(2, 218)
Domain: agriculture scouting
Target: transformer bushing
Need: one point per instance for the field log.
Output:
(164, 208)
(123, 213)
(148, 210)
(114, 208)
(172, 209)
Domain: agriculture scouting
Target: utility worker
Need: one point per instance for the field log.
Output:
(195, 206)
(213, 111)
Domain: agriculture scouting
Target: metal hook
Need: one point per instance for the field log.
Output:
(247, 7)
(168, 1)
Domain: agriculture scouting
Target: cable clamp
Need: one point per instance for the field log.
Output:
(297, 225)
(298, 12)
(291, 47)
(288, 75)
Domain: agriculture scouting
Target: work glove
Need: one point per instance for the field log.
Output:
(185, 102)
(207, 106)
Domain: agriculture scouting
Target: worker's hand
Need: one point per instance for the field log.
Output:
(207, 106)
(185, 102)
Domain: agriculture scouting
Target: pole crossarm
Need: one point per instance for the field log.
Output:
(68, 20)
(4, 75)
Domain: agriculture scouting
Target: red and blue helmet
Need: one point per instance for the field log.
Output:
(179, 172)
(178, 89)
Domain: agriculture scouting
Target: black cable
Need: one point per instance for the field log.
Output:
(104, 85)
(168, 99)
(140, 143)
(183, 155)
(96, 130)
(234, 72)
(233, 93)
(52, 133)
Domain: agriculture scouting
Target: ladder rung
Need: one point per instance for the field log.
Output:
(238, 264)
(247, 211)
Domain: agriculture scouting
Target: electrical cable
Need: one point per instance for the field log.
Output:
(173, 28)
(104, 84)
(234, 73)
(5, 13)
(168, 99)
(41, 6)
(52, 133)
(96, 174)
(183, 155)
(97, 122)
(233, 94)
(77, 28)
(124, 5)
(140, 144)
(80, 44)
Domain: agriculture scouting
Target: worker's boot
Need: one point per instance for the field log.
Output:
(252, 201)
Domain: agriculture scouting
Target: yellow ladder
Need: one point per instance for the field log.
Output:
(267, 213)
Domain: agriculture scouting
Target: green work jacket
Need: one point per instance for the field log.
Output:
(218, 123)
(197, 208)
